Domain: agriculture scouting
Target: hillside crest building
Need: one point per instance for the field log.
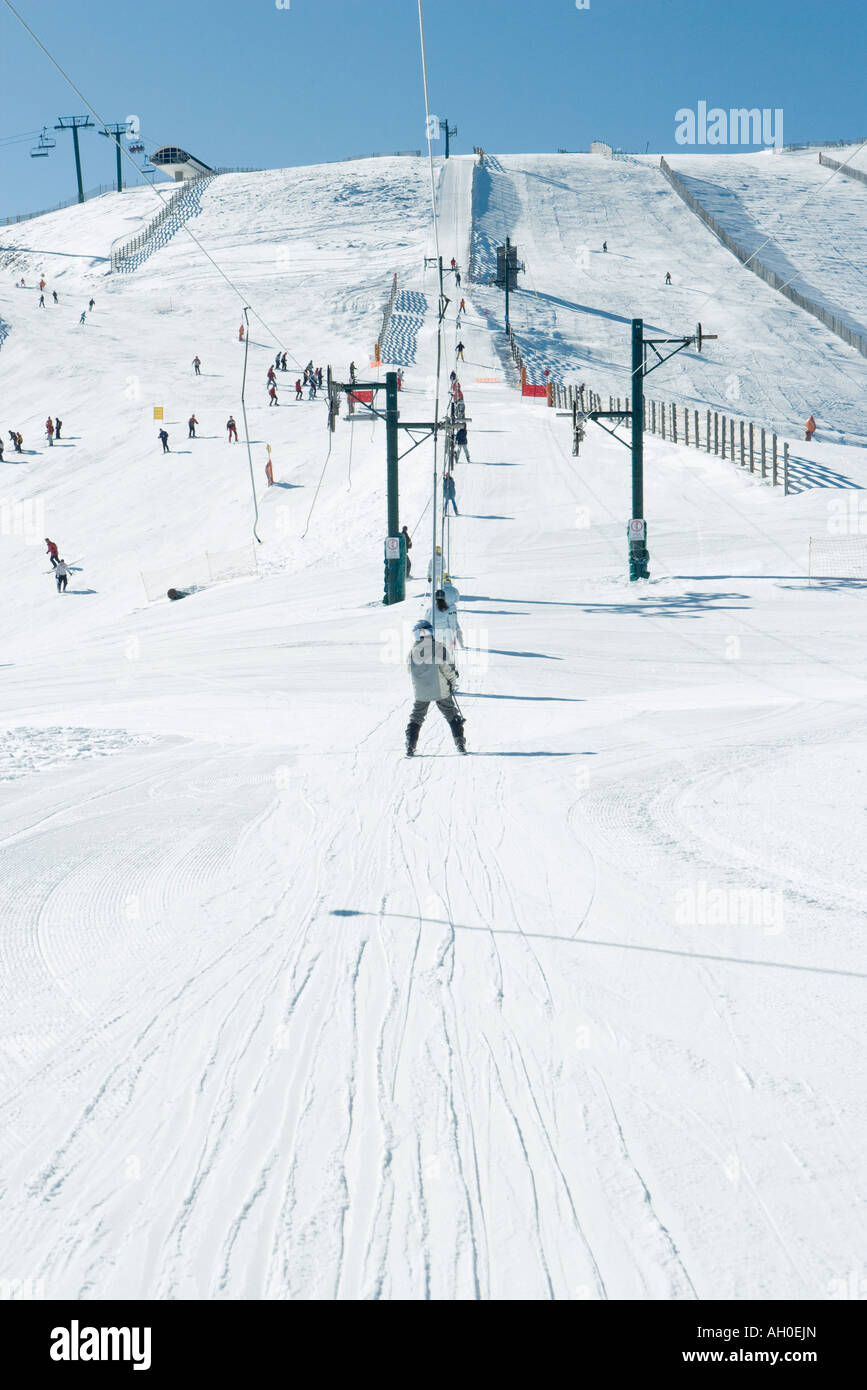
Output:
(177, 162)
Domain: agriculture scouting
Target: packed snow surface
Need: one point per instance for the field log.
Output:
(285, 1015)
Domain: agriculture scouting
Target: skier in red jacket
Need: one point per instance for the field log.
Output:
(52, 551)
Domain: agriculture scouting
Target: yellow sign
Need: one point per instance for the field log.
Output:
(158, 412)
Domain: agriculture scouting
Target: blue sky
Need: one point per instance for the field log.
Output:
(241, 82)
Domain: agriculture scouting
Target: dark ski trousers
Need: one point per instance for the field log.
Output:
(447, 708)
(61, 583)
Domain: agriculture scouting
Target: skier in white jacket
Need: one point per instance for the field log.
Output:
(433, 681)
(448, 629)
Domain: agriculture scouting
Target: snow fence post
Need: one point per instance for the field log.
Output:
(752, 450)
(742, 443)
(774, 459)
(732, 440)
(785, 470)
(763, 455)
(708, 432)
(674, 422)
(697, 436)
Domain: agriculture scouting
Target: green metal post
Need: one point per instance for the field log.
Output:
(395, 569)
(638, 554)
(119, 165)
(77, 163)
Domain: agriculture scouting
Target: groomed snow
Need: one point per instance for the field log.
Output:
(286, 1015)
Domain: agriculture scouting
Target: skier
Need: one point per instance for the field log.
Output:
(61, 574)
(42, 301)
(54, 296)
(163, 437)
(299, 394)
(449, 493)
(269, 472)
(810, 428)
(51, 551)
(232, 429)
(49, 430)
(406, 536)
(272, 393)
(459, 352)
(433, 680)
(668, 277)
(352, 373)
(454, 264)
(461, 443)
(1, 450)
(283, 366)
(42, 283)
(435, 567)
(271, 376)
(463, 307)
(277, 361)
(91, 304)
(458, 278)
(319, 377)
(57, 423)
(311, 394)
(197, 366)
(605, 246)
(453, 635)
(241, 334)
(192, 422)
(400, 378)
(459, 409)
(83, 317)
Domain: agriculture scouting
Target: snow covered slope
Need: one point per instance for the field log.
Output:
(285, 1015)
(803, 220)
(577, 302)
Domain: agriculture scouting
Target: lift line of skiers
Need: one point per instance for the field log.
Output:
(431, 660)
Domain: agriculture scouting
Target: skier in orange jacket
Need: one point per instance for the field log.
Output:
(810, 427)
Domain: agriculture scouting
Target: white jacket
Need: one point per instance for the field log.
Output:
(432, 672)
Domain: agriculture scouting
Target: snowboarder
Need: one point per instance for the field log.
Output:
(51, 551)
(83, 317)
(407, 539)
(191, 423)
(668, 277)
(49, 430)
(449, 493)
(299, 394)
(61, 574)
(459, 352)
(433, 681)
(197, 366)
(232, 429)
(91, 304)
(810, 428)
(461, 443)
(57, 423)
(272, 393)
(163, 437)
